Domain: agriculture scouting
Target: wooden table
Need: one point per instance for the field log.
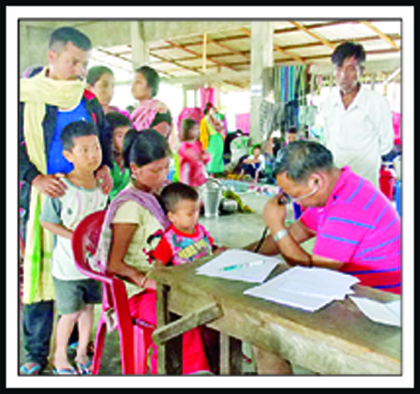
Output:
(335, 340)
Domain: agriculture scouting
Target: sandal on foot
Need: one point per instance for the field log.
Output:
(30, 368)
(90, 347)
(84, 369)
(64, 371)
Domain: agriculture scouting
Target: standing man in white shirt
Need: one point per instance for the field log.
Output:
(357, 121)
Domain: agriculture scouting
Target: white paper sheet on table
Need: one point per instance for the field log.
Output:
(381, 312)
(305, 288)
(257, 273)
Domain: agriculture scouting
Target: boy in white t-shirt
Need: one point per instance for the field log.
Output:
(254, 164)
(75, 293)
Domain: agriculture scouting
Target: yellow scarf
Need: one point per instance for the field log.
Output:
(36, 92)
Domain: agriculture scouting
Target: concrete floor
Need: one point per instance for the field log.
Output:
(233, 230)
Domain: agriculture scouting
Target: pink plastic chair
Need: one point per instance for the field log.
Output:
(135, 335)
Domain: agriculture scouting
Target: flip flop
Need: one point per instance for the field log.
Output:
(84, 369)
(31, 368)
(90, 347)
(64, 371)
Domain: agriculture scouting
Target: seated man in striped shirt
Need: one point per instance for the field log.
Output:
(356, 228)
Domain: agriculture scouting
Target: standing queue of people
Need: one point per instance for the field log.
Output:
(75, 146)
(78, 154)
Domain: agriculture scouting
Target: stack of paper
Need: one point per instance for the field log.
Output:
(380, 312)
(305, 288)
(241, 265)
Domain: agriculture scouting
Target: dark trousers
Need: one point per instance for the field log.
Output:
(249, 169)
(37, 319)
(37, 327)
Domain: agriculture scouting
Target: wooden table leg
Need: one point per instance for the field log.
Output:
(170, 329)
(230, 355)
(170, 352)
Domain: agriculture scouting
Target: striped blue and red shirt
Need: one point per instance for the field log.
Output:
(360, 227)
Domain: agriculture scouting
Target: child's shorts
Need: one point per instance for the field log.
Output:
(72, 295)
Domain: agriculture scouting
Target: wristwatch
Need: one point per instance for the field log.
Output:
(280, 234)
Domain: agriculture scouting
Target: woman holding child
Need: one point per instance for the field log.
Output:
(133, 216)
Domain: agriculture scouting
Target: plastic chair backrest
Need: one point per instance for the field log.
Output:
(84, 243)
(134, 340)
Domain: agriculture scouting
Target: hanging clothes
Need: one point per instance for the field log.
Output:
(290, 88)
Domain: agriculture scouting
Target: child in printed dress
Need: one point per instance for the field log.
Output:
(184, 241)
(192, 157)
(76, 294)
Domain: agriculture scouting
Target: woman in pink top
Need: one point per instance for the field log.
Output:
(193, 158)
(144, 88)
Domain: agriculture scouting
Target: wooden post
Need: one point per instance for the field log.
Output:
(230, 355)
(204, 57)
(372, 81)
(170, 352)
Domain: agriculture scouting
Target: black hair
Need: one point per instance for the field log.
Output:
(144, 147)
(116, 119)
(186, 125)
(79, 128)
(152, 78)
(177, 191)
(300, 159)
(346, 50)
(207, 107)
(160, 118)
(292, 130)
(66, 34)
(96, 72)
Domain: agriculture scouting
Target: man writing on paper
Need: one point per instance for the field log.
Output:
(356, 228)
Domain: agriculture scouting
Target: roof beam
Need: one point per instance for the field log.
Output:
(174, 62)
(209, 78)
(314, 35)
(277, 48)
(174, 44)
(381, 34)
(234, 78)
(314, 26)
(246, 53)
(231, 50)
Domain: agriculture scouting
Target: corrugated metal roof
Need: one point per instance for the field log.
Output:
(228, 53)
(294, 42)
